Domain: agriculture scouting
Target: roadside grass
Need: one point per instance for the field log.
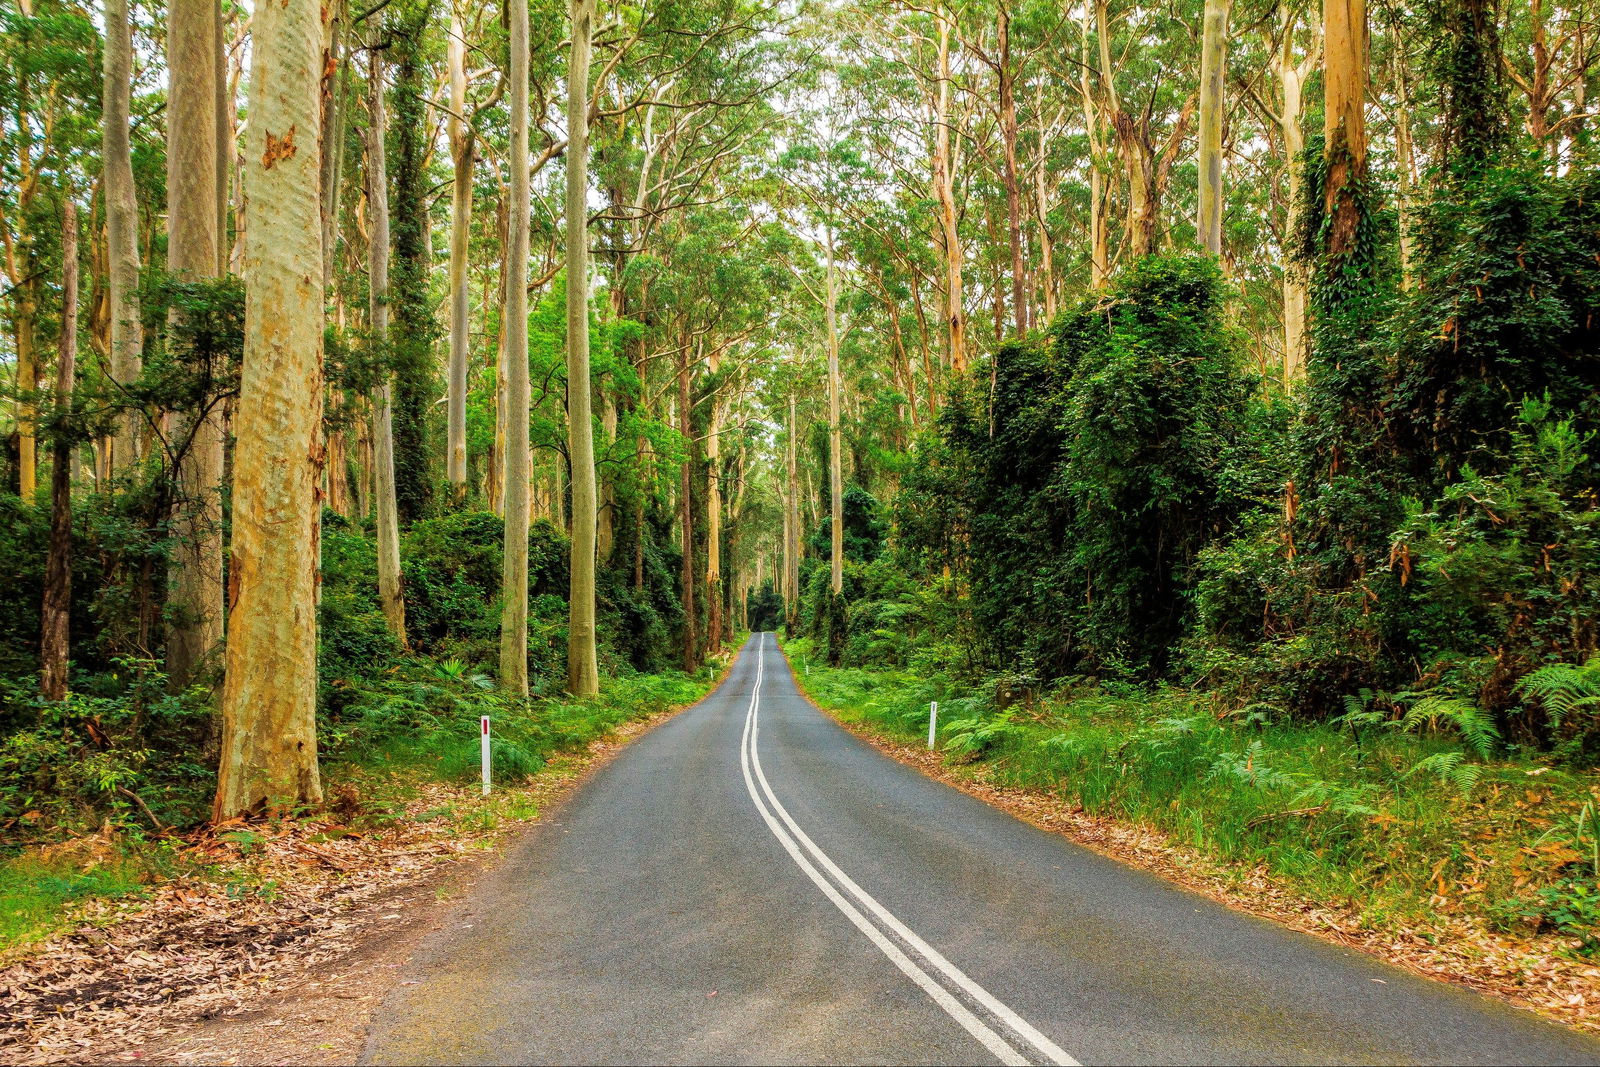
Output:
(1402, 823)
(402, 751)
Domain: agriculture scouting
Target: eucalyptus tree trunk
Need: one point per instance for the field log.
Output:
(791, 568)
(269, 697)
(1008, 138)
(391, 588)
(691, 657)
(1345, 131)
(223, 115)
(122, 229)
(514, 364)
(54, 635)
(461, 153)
(583, 675)
(1099, 257)
(194, 628)
(1213, 105)
(714, 519)
(1291, 84)
(944, 190)
(835, 434)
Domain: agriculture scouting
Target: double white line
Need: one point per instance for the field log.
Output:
(893, 938)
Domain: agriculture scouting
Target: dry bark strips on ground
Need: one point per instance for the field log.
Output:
(151, 979)
(1528, 972)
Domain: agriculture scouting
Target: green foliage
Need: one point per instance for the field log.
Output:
(1113, 452)
(1570, 697)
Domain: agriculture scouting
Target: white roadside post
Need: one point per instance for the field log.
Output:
(933, 721)
(484, 734)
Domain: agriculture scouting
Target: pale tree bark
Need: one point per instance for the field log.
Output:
(944, 191)
(1406, 164)
(1292, 74)
(1344, 25)
(122, 229)
(1008, 136)
(1213, 106)
(835, 433)
(269, 697)
(54, 636)
(691, 656)
(1099, 252)
(583, 675)
(714, 517)
(194, 628)
(791, 558)
(514, 361)
(391, 586)
(461, 154)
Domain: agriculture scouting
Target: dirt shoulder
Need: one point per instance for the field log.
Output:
(282, 953)
(1530, 973)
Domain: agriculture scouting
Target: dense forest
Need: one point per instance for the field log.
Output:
(370, 368)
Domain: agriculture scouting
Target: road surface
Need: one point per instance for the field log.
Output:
(748, 883)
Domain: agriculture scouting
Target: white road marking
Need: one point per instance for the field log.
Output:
(788, 832)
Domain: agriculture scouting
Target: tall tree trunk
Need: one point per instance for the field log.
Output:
(391, 586)
(1406, 164)
(792, 532)
(1345, 129)
(54, 636)
(1213, 105)
(122, 229)
(514, 359)
(269, 698)
(461, 154)
(1291, 82)
(1008, 137)
(1099, 252)
(25, 315)
(835, 433)
(583, 676)
(332, 97)
(714, 517)
(196, 603)
(944, 183)
(691, 644)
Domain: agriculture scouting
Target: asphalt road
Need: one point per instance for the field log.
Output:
(748, 883)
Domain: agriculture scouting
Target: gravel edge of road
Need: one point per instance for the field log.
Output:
(1554, 988)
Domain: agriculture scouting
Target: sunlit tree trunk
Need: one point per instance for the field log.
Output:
(1008, 138)
(714, 518)
(195, 606)
(514, 356)
(583, 678)
(944, 189)
(269, 697)
(791, 575)
(1213, 105)
(835, 433)
(461, 154)
(1099, 254)
(122, 229)
(391, 588)
(55, 618)
(691, 656)
(1291, 75)
(1345, 93)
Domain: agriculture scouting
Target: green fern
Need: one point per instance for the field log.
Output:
(1564, 689)
(1451, 768)
(1431, 711)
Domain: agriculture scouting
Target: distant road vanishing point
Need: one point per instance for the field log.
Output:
(748, 883)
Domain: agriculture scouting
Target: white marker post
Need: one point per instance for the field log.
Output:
(485, 751)
(933, 721)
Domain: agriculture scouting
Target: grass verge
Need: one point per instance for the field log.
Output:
(1391, 836)
(403, 758)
